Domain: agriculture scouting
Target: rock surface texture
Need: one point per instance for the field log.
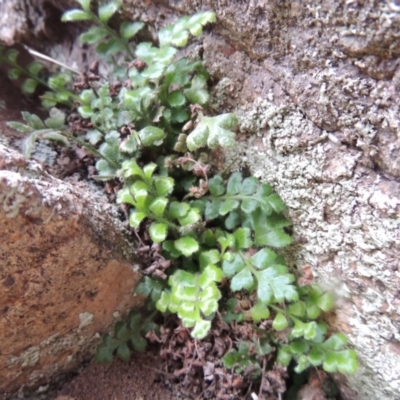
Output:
(315, 84)
(64, 273)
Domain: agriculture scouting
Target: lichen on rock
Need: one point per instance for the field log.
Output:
(67, 269)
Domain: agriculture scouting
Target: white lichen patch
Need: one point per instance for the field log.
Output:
(55, 344)
(43, 152)
(28, 358)
(85, 318)
(338, 215)
(222, 91)
(11, 197)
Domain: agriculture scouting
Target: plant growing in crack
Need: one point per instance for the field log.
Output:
(207, 239)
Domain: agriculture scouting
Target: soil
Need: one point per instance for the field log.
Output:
(133, 380)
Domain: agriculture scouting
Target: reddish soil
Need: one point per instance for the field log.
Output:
(134, 380)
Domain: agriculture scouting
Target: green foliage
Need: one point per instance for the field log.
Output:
(109, 42)
(329, 353)
(150, 288)
(178, 34)
(127, 336)
(35, 128)
(260, 273)
(212, 239)
(232, 312)
(31, 75)
(246, 359)
(249, 203)
(210, 131)
(59, 92)
(194, 297)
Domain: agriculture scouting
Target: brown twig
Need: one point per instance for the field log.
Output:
(167, 374)
(262, 377)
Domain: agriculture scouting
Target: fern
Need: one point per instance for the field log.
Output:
(194, 297)
(148, 125)
(270, 280)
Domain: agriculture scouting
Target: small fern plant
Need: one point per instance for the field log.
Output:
(210, 237)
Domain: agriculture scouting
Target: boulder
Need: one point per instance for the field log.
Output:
(66, 272)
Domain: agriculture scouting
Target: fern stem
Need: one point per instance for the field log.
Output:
(165, 221)
(24, 71)
(114, 34)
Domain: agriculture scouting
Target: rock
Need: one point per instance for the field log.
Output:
(66, 270)
(40, 18)
(315, 85)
